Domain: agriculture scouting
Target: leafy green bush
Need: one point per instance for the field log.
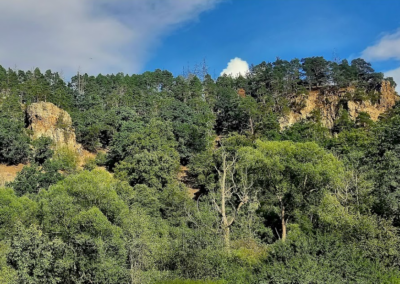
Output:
(66, 159)
(181, 281)
(323, 258)
(89, 164)
(32, 178)
(8, 275)
(14, 209)
(42, 150)
(14, 142)
(101, 159)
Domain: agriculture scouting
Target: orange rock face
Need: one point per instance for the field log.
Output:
(242, 93)
(329, 104)
(46, 119)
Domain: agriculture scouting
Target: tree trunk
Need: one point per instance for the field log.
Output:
(225, 225)
(226, 237)
(283, 224)
(251, 126)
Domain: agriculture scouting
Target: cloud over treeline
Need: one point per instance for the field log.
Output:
(94, 35)
(236, 67)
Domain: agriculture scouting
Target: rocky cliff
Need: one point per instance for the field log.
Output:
(328, 104)
(46, 119)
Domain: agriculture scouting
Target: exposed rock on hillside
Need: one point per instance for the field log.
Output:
(328, 105)
(46, 119)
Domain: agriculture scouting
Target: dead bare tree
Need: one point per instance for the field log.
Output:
(230, 196)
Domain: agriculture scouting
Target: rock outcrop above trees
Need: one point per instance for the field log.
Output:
(327, 105)
(46, 119)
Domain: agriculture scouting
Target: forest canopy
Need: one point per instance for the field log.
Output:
(193, 179)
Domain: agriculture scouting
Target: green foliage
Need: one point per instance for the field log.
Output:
(362, 94)
(10, 107)
(95, 127)
(14, 147)
(101, 159)
(316, 69)
(364, 120)
(89, 164)
(191, 282)
(391, 81)
(293, 211)
(134, 138)
(348, 141)
(146, 154)
(8, 275)
(42, 150)
(84, 211)
(291, 176)
(87, 189)
(192, 124)
(147, 243)
(323, 259)
(359, 95)
(15, 209)
(34, 256)
(155, 169)
(306, 131)
(33, 178)
(343, 122)
(66, 159)
(230, 117)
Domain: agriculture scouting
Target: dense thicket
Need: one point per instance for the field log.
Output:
(300, 205)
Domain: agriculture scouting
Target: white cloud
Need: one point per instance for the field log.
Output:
(388, 47)
(396, 76)
(236, 67)
(94, 35)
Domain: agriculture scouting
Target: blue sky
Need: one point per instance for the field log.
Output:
(133, 36)
(263, 30)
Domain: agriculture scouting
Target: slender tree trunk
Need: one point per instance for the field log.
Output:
(226, 236)
(251, 126)
(225, 226)
(283, 224)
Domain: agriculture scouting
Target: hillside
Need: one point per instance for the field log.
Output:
(292, 173)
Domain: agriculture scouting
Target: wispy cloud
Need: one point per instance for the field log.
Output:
(94, 35)
(236, 67)
(396, 76)
(388, 47)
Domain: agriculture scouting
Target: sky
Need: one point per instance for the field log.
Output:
(133, 36)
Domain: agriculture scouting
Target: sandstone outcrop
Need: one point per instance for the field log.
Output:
(46, 119)
(328, 105)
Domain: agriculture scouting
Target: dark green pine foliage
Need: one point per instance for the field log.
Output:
(14, 141)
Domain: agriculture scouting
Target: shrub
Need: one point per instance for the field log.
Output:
(101, 159)
(66, 159)
(90, 163)
(180, 281)
(14, 143)
(41, 150)
(32, 178)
